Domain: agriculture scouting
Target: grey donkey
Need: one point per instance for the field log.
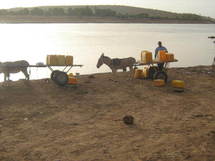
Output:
(116, 63)
(14, 67)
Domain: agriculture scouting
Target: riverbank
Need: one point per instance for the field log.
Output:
(41, 121)
(75, 19)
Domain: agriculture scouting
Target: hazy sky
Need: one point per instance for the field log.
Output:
(202, 7)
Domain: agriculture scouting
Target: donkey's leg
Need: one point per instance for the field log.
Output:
(5, 77)
(131, 71)
(113, 71)
(8, 76)
(25, 72)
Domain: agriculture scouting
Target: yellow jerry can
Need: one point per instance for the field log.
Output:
(70, 75)
(178, 83)
(51, 60)
(72, 80)
(69, 60)
(138, 73)
(61, 60)
(146, 56)
(170, 57)
(161, 57)
(145, 73)
(158, 82)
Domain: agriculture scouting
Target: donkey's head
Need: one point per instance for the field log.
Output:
(100, 61)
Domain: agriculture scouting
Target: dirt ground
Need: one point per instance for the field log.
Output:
(40, 121)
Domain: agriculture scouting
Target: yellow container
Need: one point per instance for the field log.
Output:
(162, 56)
(70, 75)
(145, 72)
(146, 56)
(138, 74)
(159, 82)
(61, 60)
(178, 84)
(51, 60)
(170, 57)
(69, 60)
(72, 80)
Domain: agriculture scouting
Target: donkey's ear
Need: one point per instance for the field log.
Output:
(102, 54)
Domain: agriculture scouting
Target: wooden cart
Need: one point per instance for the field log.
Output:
(154, 71)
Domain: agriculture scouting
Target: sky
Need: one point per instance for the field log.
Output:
(201, 7)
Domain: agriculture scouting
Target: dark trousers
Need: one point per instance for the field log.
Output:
(160, 66)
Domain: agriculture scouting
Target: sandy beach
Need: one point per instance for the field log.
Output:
(40, 121)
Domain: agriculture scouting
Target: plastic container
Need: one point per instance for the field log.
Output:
(178, 84)
(146, 56)
(70, 75)
(138, 74)
(161, 57)
(69, 60)
(61, 60)
(72, 80)
(170, 57)
(145, 73)
(51, 60)
(158, 82)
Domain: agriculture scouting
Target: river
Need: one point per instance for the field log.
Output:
(87, 41)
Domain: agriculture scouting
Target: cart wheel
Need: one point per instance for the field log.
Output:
(53, 74)
(161, 75)
(152, 71)
(61, 78)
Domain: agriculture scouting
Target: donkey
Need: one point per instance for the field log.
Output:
(14, 67)
(116, 63)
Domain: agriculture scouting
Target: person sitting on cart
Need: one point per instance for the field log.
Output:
(159, 48)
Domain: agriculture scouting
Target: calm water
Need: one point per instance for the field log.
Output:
(86, 42)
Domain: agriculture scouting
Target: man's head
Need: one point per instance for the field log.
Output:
(159, 43)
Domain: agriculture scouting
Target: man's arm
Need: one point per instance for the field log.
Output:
(156, 52)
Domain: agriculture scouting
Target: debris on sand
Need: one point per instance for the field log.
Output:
(128, 119)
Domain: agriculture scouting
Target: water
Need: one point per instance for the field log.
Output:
(86, 42)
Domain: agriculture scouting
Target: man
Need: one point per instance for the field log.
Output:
(159, 48)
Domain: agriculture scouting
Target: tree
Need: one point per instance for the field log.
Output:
(81, 11)
(104, 12)
(141, 15)
(24, 11)
(37, 12)
(70, 11)
(3, 12)
(57, 11)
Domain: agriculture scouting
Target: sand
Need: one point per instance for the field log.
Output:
(40, 121)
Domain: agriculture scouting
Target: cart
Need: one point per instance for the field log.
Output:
(156, 72)
(60, 77)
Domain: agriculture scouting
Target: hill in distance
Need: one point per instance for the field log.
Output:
(97, 14)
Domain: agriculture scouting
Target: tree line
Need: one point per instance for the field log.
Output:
(87, 11)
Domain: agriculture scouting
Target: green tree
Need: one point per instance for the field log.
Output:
(57, 11)
(24, 11)
(82, 11)
(141, 15)
(70, 12)
(37, 12)
(3, 12)
(104, 12)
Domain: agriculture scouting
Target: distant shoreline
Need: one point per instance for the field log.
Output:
(71, 19)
